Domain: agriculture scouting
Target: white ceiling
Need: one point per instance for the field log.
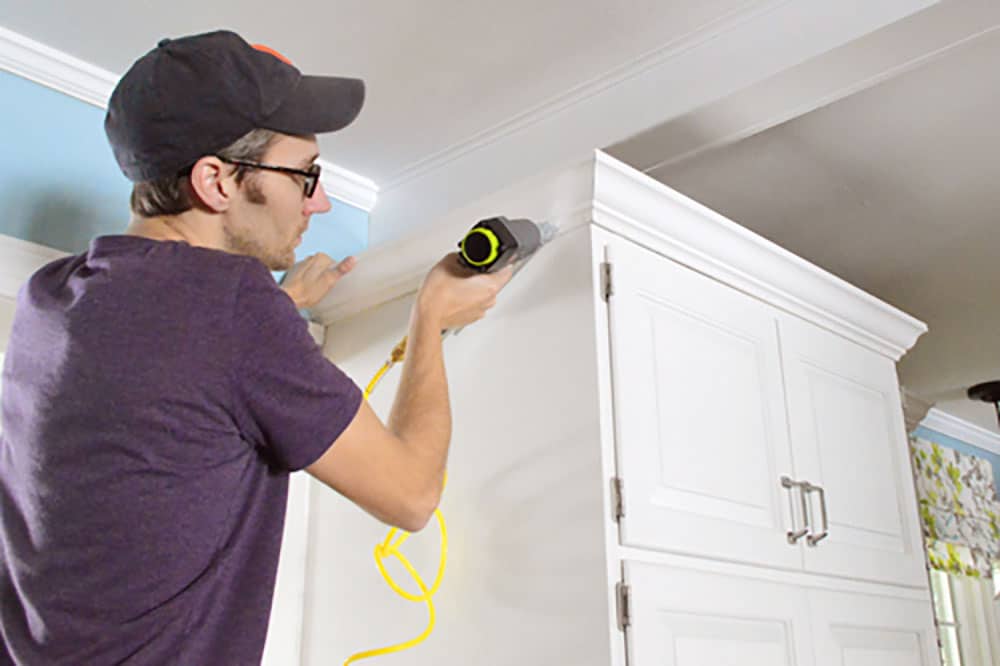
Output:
(463, 97)
(438, 71)
(896, 189)
(867, 149)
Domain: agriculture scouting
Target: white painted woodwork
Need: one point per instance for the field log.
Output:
(846, 424)
(702, 441)
(283, 644)
(690, 618)
(681, 386)
(868, 630)
(681, 617)
(963, 430)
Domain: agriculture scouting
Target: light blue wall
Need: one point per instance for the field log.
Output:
(961, 447)
(60, 185)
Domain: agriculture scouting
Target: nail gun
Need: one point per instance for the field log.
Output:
(497, 242)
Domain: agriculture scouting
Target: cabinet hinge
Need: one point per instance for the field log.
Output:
(607, 290)
(617, 499)
(622, 593)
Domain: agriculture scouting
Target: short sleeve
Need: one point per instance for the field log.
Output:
(290, 400)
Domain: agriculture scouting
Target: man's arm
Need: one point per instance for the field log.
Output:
(396, 473)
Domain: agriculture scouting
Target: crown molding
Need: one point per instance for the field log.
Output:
(962, 430)
(348, 186)
(71, 76)
(54, 69)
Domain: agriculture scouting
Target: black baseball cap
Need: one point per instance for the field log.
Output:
(192, 96)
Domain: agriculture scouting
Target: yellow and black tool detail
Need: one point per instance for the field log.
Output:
(497, 242)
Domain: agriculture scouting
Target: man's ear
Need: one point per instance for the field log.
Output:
(212, 183)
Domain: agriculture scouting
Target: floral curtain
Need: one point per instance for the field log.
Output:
(959, 510)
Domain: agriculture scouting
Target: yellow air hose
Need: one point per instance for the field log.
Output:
(387, 548)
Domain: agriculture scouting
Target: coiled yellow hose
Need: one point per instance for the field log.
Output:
(388, 548)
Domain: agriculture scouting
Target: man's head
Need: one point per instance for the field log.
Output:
(260, 191)
(211, 124)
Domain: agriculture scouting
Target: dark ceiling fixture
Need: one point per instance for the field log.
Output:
(987, 392)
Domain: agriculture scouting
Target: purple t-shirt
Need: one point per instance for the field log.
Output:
(155, 398)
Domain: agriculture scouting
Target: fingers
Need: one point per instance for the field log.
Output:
(310, 281)
(321, 264)
(456, 295)
(346, 265)
(320, 261)
(503, 276)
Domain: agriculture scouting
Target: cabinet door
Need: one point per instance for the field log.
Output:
(848, 437)
(867, 630)
(686, 618)
(699, 410)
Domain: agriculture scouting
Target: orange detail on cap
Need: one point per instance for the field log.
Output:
(268, 49)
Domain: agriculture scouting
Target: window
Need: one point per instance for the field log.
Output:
(944, 615)
(966, 616)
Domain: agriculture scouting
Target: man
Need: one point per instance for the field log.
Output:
(160, 387)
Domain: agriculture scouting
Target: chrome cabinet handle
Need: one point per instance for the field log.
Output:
(814, 539)
(793, 534)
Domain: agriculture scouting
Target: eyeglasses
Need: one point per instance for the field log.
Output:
(311, 175)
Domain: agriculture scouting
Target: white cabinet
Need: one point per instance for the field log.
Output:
(871, 630)
(699, 405)
(719, 395)
(718, 365)
(716, 393)
(689, 618)
(848, 434)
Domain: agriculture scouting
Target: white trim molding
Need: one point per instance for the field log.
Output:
(54, 69)
(348, 186)
(962, 430)
(71, 76)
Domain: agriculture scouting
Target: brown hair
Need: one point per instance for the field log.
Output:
(171, 195)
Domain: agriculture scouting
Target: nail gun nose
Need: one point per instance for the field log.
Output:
(498, 241)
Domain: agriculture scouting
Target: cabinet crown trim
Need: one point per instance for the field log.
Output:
(608, 193)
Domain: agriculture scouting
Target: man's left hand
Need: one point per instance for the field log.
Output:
(309, 281)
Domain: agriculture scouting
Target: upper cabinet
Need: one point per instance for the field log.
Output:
(745, 433)
(701, 433)
(846, 424)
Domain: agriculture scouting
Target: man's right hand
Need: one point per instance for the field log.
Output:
(396, 473)
(455, 296)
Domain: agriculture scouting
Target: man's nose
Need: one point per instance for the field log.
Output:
(318, 202)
